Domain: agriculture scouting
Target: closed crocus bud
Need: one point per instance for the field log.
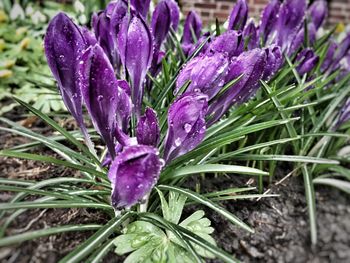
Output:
(329, 55)
(136, 49)
(238, 16)
(141, 6)
(206, 73)
(341, 52)
(147, 129)
(160, 26)
(290, 19)
(89, 37)
(106, 27)
(344, 114)
(274, 61)
(307, 60)
(300, 38)
(133, 174)
(250, 66)
(102, 95)
(64, 43)
(250, 35)
(174, 13)
(186, 124)
(318, 13)
(192, 26)
(268, 20)
(220, 44)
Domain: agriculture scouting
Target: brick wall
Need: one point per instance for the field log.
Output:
(339, 10)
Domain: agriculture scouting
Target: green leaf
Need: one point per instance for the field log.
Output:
(86, 248)
(284, 158)
(6, 241)
(205, 201)
(340, 184)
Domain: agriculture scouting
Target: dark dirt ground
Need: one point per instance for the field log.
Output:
(281, 224)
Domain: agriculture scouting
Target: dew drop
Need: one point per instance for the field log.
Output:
(187, 127)
(177, 142)
(99, 97)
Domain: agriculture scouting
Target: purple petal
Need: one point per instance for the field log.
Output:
(147, 129)
(206, 73)
(186, 124)
(252, 65)
(102, 96)
(175, 13)
(299, 38)
(160, 25)
(290, 19)
(193, 25)
(238, 16)
(133, 174)
(344, 114)
(341, 52)
(318, 13)
(250, 35)
(189, 49)
(307, 61)
(274, 61)
(63, 44)
(220, 44)
(141, 6)
(136, 49)
(329, 56)
(269, 20)
(89, 37)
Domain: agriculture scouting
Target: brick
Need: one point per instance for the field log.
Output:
(205, 5)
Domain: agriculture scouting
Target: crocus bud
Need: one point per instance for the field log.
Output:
(206, 73)
(290, 19)
(250, 35)
(307, 60)
(186, 124)
(269, 20)
(329, 55)
(192, 26)
(106, 27)
(238, 16)
(147, 129)
(141, 6)
(300, 37)
(344, 114)
(341, 52)
(133, 174)
(274, 61)
(174, 13)
(250, 66)
(136, 49)
(160, 26)
(318, 13)
(89, 37)
(220, 44)
(102, 96)
(63, 44)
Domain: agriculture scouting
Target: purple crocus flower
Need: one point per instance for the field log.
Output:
(307, 60)
(250, 35)
(174, 13)
(344, 114)
(341, 52)
(186, 124)
(133, 174)
(64, 43)
(252, 65)
(103, 98)
(136, 49)
(220, 44)
(269, 20)
(318, 13)
(238, 16)
(290, 19)
(329, 55)
(206, 73)
(189, 49)
(160, 26)
(192, 28)
(106, 27)
(141, 6)
(147, 129)
(274, 61)
(300, 37)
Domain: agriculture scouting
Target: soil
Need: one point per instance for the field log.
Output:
(280, 223)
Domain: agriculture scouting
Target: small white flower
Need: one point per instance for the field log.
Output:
(17, 12)
(29, 10)
(79, 7)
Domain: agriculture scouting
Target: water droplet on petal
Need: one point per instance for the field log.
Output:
(187, 127)
(177, 142)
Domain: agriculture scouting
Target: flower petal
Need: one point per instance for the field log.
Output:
(147, 129)
(238, 16)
